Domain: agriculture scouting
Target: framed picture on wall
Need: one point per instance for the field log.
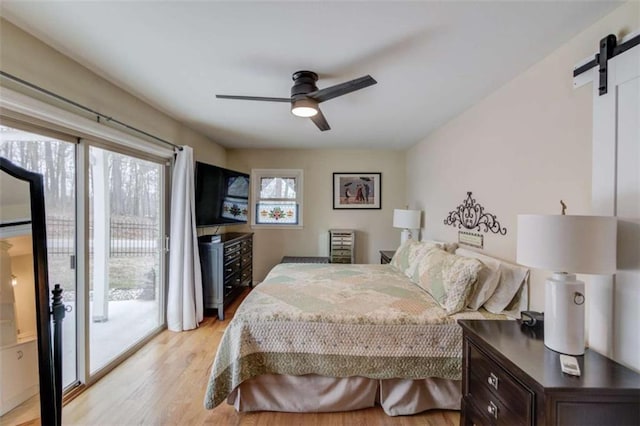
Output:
(357, 190)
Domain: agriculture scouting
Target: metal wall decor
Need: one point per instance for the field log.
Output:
(471, 215)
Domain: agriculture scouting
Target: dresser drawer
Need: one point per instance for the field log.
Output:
(231, 268)
(246, 276)
(234, 280)
(231, 256)
(232, 248)
(246, 260)
(339, 251)
(246, 247)
(489, 381)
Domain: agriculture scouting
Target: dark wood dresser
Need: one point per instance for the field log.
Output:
(227, 268)
(511, 378)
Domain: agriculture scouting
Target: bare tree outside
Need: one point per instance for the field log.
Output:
(133, 186)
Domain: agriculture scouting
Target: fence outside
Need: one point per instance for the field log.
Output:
(128, 237)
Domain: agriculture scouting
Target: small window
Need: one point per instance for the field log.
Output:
(277, 197)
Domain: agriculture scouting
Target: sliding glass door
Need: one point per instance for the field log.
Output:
(52, 155)
(126, 257)
(105, 215)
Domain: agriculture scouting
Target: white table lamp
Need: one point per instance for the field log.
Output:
(406, 220)
(566, 245)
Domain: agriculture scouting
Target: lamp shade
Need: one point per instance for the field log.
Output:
(574, 244)
(406, 219)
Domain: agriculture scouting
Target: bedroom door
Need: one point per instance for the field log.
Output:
(613, 315)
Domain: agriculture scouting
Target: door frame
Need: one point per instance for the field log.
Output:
(34, 112)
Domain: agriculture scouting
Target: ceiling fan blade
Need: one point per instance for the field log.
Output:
(253, 98)
(320, 121)
(342, 88)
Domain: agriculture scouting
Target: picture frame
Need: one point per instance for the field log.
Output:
(357, 191)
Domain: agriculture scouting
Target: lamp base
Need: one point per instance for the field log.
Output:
(405, 235)
(564, 314)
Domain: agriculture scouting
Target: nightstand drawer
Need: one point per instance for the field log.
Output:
(493, 407)
(532, 389)
(487, 377)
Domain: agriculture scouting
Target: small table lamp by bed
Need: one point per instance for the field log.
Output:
(407, 220)
(566, 245)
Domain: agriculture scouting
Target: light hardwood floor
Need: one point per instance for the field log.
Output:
(164, 384)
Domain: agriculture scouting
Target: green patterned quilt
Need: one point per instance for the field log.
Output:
(338, 321)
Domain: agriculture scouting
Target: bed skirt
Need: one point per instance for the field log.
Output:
(313, 393)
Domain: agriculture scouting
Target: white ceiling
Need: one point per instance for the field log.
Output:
(432, 60)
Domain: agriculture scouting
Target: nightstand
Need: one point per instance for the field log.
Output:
(510, 378)
(386, 255)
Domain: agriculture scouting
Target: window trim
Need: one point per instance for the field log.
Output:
(256, 175)
(21, 106)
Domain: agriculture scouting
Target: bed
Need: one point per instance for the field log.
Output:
(327, 337)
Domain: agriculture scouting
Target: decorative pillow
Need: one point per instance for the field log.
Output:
(400, 259)
(512, 278)
(488, 278)
(448, 278)
(416, 252)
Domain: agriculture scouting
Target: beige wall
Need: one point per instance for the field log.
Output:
(32, 60)
(373, 227)
(520, 150)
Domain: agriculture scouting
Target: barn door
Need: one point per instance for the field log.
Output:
(613, 302)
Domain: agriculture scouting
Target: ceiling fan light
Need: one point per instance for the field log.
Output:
(304, 108)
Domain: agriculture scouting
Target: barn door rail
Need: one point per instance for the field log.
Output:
(609, 48)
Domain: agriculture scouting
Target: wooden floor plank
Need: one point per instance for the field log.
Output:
(164, 384)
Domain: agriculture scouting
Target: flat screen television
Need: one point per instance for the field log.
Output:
(222, 196)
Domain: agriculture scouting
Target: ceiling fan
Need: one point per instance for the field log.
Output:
(305, 95)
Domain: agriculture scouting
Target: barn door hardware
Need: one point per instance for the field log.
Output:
(609, 48)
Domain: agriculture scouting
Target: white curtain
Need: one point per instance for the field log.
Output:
(184, 306)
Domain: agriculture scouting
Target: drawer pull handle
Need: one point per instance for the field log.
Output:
(493, 409)
(493, 380)
(20, 354)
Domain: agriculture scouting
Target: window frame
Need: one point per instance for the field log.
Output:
(257, 175)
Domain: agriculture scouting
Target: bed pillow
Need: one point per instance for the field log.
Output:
(512, 279)
(519, 303)
(406, 258)
(416, 253)
(488, 278)
(448, 278)
(400, 259)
